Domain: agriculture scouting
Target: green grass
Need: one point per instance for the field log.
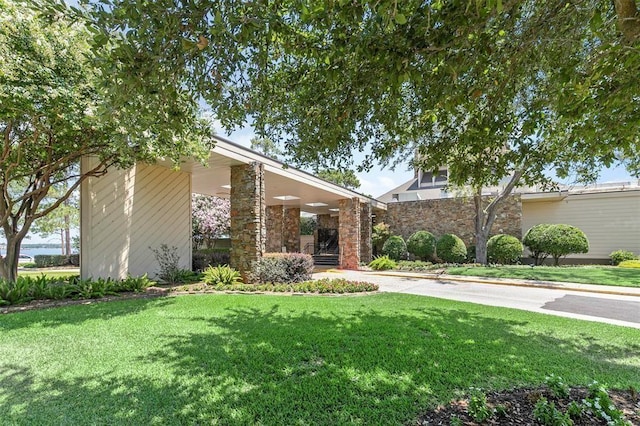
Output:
(50, 274)
(603, 275)
(242, 359)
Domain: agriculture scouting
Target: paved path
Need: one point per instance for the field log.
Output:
(562, 299)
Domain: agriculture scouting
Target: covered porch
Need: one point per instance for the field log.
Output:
(126, 213)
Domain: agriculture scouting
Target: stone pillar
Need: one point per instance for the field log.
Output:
(365, 232)
(349, 233)
(291, 229)
(247, 217)
(275, 231)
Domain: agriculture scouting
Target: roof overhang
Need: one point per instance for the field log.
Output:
(298, 188)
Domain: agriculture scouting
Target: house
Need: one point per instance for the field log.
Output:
(127, 213)
(609, 214)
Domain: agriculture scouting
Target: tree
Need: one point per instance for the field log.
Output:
(58, 106)
(211, 219)
(493, 90)
(267, 147)
(346, 178)
(61, 220)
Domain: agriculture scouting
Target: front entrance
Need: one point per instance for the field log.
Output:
(326, 249)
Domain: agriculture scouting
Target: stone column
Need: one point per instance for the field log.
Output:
(247, 217)
(365, 232)
(275, 231)
(291, 229)
(349, 233)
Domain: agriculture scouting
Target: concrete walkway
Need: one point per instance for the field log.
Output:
(612, 305)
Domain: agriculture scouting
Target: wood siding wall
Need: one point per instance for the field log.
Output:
(610, 220)
(126, 212)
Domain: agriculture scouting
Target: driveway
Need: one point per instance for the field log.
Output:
(563, 301)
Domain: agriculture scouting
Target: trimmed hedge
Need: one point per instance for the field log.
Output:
(504, 249)
(629, 264)
(556, 240)
(451, 249)
(422, 245)
(284, 268)
(395, 248)
(49, 260)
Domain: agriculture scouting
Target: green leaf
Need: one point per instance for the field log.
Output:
(401, 19)
(595, 23)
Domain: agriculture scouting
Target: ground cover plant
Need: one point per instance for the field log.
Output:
(242, 359)
(603, 275)
(321, 286)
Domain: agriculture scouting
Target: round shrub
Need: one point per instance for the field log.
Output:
(422, 245)
(504, 249)
(395, 248)
(451, 249)
(534, 240)
(616, 257)
(561, 240)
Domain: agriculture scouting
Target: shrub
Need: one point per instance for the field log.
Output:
(562, 240)
(382, 263)
(379, 236)
(135, 284)
(201, 259)
(223, 275)
(395, 248)
(74, 259)
(12, 293)
(534, 241)
(422, 245)
(29, 265)
(471, 254)
(620, 256)
(417, 265)
(504, 249)
(556, 240)
(284, 268)
(450, 248)
(170, 271)
(49, 260)
(629, 264)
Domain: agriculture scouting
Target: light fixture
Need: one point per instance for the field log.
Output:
(334, 210)
(316, 204)
(286, 197)
(226, 186)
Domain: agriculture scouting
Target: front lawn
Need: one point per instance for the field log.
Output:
(246, 359)
(50, 274)
(604, 275)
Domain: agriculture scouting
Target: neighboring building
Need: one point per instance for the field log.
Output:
(609, 214)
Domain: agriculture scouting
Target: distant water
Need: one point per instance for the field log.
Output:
(33, 251)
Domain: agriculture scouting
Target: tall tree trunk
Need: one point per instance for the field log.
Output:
(628, 19)
(9, 263)
(485, 216)
(67, 235)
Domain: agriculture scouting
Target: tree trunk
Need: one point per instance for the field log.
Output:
(628, 19)
(482, 234)
(9, 263)
(486, 216)
(67, 235)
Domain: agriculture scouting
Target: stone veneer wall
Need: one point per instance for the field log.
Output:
(327, 221)
(274, 225)
(349, 233)
(366, 250)
(247, 217)
(283, 229)
(291, 231)
(450, 216)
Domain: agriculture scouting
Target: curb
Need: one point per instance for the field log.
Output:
(551, 285)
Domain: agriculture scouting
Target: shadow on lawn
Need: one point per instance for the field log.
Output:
(284, 366)
(80, 312)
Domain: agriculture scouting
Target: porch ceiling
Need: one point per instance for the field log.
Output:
(280, 180)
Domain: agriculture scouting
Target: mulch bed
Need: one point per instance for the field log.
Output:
(519, 405)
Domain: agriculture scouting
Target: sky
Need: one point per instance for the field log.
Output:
(381, 180)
